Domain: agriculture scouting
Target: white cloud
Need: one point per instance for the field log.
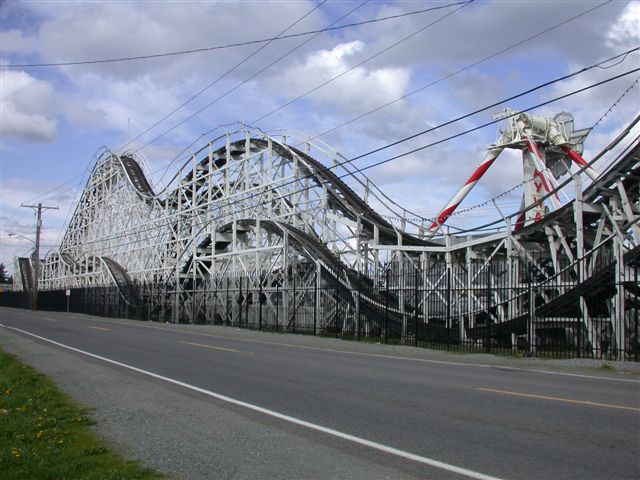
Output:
(25, 103)
(475, 89)
(625, 33)
(483, 28)
(359, 89)
(101, 30)
(14, 41)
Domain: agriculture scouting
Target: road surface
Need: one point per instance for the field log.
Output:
(320, 408)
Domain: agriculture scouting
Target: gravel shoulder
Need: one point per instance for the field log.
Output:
(188, 436)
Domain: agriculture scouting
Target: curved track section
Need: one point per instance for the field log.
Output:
(26, 273)
(121, 279)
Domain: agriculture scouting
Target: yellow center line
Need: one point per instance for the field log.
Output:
(559, 399)
(98, 328)
(215, 348)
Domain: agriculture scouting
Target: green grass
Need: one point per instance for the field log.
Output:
(44, 435)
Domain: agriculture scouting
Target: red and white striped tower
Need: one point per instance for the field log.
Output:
(581, 162)
(546, 177)
(464, 191)
(527, 133)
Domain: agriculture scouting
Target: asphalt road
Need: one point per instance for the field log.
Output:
(408, 417)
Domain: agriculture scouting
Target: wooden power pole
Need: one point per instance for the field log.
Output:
(36, 254)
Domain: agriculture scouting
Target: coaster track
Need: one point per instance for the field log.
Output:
(268, 210)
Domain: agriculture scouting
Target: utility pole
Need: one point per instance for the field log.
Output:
(36, 254)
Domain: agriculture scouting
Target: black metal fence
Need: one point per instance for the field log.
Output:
(586, 308)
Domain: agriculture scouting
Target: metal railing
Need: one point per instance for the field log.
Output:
(518, 308)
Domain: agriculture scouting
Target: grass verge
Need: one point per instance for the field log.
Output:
(45, 435)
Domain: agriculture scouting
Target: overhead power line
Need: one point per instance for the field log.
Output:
(623, 55)
(467, 67)
(366, 60)
(208, 105)
(206, 222)
(372, 21)
(479, 127)
(222, 76)
(437, 142)
(230, 45)
(513, 97)
(197, 112)
(463, 69)
(521, 42)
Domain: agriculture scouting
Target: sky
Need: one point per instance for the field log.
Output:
(434, 66)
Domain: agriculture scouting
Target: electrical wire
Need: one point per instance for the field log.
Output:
(463, 69)
(208, 105)
(465, 132)
(521, 42)
(220, 77)
(624, 57)
(486, 58)
(211, 103)
(230, 45)
(493, 105)
(360, 170)
(366, 60)
(466, 210)
(208, 221)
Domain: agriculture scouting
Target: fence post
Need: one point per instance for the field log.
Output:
(239, 302)
(277, 304)
(260, 303)
(177, 300)
(487, 320)
(315, 300)
(337, 308)
(357, 313)
(449, 327)
(532, 313)
(415, 308)
(246, 305)
(226, 305)
(214, 285)
(193, 302)
(578, 326)
(295, 309)
(386, 307)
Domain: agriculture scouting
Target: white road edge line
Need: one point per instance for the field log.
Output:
(329, 431)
